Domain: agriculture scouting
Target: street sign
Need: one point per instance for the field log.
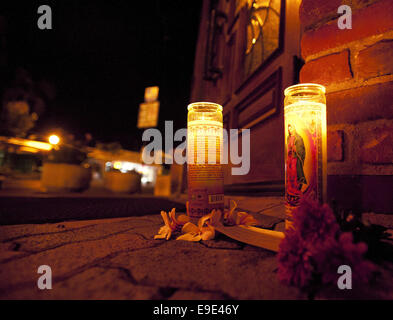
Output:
(148, 114)
(151, 94)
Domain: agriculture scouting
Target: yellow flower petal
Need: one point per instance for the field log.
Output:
(163, 229)
(168, 236)
(165, 218)
(189, 227)
(164, 232)
(245, 218)
(189, 237)
(208, 233)
(202, 220)
(215, 217)
(207, 236)
(234, 206)
(173, 221)
(182, 219)
(172, 214)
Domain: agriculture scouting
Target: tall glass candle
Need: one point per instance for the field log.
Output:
(204, 169)
(305, 145)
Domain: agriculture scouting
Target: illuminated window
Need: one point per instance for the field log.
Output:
(263, 32)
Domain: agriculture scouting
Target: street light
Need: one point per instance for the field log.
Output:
(54, 139)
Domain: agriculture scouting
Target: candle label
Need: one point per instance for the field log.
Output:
(303, 153)
(205, 183)
(204, 171)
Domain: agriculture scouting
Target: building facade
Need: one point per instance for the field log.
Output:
(249, 51)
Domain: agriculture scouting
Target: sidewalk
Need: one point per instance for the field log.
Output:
(118, 258)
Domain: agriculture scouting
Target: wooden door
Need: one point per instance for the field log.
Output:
(247, 54)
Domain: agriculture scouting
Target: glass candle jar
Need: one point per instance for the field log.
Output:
(305, 145)
(204, 169)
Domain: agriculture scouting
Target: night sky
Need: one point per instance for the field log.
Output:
(100, 55)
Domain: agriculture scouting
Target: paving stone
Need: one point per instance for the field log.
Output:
(95, 283)
(119, 259)
(9, 232)
(37, 243)
(233, 274)
(385, 220)
(277, 210)
(256, 204)
(195, 295)
(67, 260)
(222, 242)
(9, 251)
(266, 221)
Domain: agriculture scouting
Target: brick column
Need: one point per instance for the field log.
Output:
(356, 66)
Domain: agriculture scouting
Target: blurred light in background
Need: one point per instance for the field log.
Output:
(54, 139)
(28, 143)
(117, 165)
(148, 172)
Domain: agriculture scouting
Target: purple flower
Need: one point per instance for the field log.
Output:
(294, 265)
(333, 253)
(315, 222)
(313, 248)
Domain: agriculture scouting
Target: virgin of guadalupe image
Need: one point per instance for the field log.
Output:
(296, 154)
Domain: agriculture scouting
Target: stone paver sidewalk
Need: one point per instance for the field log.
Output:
(119, 259)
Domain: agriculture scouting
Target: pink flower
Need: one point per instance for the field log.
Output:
(313, 249)
(315, 222)
(294, 264)
(333, 253)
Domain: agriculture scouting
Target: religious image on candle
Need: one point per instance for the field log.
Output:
(305, 145)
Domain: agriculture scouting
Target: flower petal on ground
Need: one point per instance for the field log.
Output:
(189, 227)
(208, 233)
(189, 237)
(165, 218)
(183, 219)
(203, 219)
(164, 232)
(215, 217)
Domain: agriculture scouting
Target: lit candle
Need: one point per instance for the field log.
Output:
(204, 169)
(305, 145)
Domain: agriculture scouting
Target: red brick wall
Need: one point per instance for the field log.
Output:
(356, 66)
